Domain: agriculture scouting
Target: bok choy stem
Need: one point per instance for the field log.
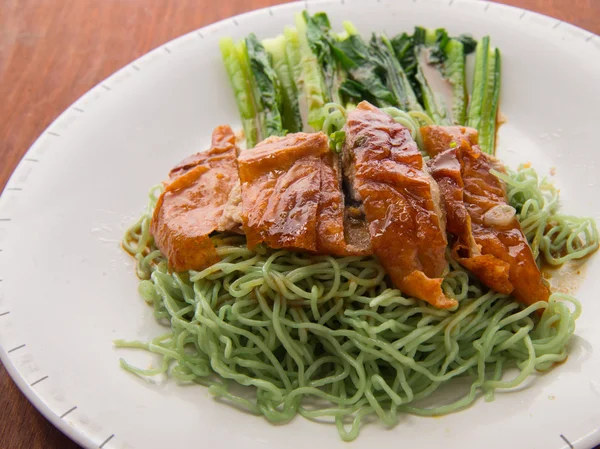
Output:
(313, 84)
(320, 39)
(440, 73)
(483, 109)
(268, 88)
(292, 121)
(242, 90)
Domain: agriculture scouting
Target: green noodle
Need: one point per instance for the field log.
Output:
(412, 120)
(557, 237)
(328, 338)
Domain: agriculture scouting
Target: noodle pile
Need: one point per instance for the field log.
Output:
(330, 339)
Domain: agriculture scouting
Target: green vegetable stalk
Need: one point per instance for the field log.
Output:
(313, 84)
(320, 39)
(292, 54)
(440, 75)
(454, 70)
(268, 88)
(404, 49)
(242, 89)
(395, 78)
(292, 120)
(483, 109)
(294, 60)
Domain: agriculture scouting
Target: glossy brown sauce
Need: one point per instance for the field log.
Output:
(566, 278)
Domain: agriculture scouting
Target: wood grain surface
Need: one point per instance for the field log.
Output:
(52, 52)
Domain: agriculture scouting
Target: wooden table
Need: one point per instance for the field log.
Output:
(51, 52)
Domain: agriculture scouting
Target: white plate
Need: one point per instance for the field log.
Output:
(68, 289)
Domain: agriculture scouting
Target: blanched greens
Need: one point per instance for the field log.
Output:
(321, 41)
(313, 83)
(268, 95)
(440, 73)
(391, 71)
(365, 83)
(290, 108)
(242, 89)
(292, 79)
(483, 109)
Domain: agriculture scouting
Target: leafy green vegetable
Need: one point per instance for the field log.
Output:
(268, 86)
(440, 73)
(479, 83)
(349, 28)
(436, 39)
(356, 57)
(292, 54)
(483, 109)
(242, 90)
(404, 49)
(469, 43)
(292, 120)
(434, 64)
(320, 40)
(353, 91)
(313, 84)
(293, 77)
(391, 72)
(454, 70)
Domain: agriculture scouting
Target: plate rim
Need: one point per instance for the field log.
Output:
(77, 434)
